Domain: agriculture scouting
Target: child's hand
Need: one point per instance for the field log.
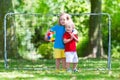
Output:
(71, 34)
(46, 39)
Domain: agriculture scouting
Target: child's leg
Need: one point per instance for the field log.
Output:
(64, 63)
(68, 59)
(58, 63)
(57, 56)
(75, 61)
(74, 66)
(68, 65)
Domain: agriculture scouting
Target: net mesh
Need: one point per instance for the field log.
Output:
(21, 50)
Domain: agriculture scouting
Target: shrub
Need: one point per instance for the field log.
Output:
(115, 50)
(82, 46)
(46, 50)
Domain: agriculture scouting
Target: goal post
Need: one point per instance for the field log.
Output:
(81, 14)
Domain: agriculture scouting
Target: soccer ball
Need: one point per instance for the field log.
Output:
(51, 36)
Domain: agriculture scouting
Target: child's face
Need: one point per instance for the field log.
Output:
(68, 28)
(63, 20)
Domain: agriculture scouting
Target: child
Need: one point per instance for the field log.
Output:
(59, 29)
(70, 38)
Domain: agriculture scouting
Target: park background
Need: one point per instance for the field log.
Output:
(25, 33)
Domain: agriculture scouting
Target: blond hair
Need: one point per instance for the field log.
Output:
(67, 17)
(70, 23)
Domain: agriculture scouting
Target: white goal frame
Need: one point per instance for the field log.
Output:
(109, 33)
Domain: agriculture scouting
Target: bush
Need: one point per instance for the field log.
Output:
(115, 50)
(82, 46)
(46, 50)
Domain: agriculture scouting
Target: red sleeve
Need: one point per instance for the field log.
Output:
(65, 36)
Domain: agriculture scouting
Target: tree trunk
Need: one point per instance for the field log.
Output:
(5, 6)
(95, 36)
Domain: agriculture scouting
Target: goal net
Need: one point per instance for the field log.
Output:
(25, 48)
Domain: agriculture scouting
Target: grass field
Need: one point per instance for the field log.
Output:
(89, 69)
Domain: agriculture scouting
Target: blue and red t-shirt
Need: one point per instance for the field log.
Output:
(59, 32)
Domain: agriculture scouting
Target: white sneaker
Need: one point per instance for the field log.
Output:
(69, 70)
(75, 70)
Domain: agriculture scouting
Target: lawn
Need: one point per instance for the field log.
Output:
(89, 69)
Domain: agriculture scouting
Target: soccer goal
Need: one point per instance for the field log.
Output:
(20, 51)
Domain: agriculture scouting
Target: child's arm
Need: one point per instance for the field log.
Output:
(67, 40)
(74, 36)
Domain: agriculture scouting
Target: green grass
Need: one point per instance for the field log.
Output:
(89, 69)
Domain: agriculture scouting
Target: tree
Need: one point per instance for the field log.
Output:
(5, 6)
(95, 37)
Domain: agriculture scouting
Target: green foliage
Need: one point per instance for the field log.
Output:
(46, 7)
(46, 50)
(41, 6)
(58, 6)
(81, 47)
(116, 50)
(38, 37)
(76, 6)
(23, 6)
(25, 47)
(112, 7)
(45, 21)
